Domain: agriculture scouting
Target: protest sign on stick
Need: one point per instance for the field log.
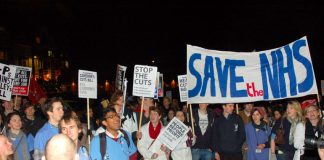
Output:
(173, 133)
(87, 89)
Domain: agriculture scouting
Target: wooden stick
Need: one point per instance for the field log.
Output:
(141, 115)
(237, 109)
(88, 119)
(192, 123)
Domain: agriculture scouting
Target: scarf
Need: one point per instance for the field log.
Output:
(294, 123)
(19, 145)
(154, 133)
(261, 126)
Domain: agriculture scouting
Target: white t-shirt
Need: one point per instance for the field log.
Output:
(203, 122)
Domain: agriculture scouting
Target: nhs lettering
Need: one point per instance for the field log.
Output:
(221, 76)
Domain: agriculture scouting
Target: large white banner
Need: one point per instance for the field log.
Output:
(144, 81)
(87, 84)
(183, 92)
(173, 133)
(230, 77)
(7, 78)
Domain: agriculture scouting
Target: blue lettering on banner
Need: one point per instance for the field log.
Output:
(276, 77)
(208, 74)
(289, 70)
(236, 79)
(222, 75)
(195, 73)
(272, 76)
(309, 80)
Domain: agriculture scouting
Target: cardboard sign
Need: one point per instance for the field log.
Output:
(173, 133)
(7, 79)
(87, 84)
(120, 76)
(22, 81)
(144, 81)
(161, 86)
(182, 81)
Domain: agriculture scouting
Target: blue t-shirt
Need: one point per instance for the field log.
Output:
(43, 135)
(83, 153)
(115, 150)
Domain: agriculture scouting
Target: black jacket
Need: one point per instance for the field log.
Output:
(228, 134)
(203, 141)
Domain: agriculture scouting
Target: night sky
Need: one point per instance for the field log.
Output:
(97, 36)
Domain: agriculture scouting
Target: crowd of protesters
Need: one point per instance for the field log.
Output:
(50, 130)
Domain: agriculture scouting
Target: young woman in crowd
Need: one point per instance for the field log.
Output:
(277, 114)
(310, 130)
(17, 137)
(183, 149)
(147, 145)
(291, 118)
(257, 137)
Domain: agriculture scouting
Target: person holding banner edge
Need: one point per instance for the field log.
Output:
(203, 122)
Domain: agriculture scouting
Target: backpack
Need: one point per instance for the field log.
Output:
(102, 137)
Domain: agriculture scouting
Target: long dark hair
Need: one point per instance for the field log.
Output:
(254, 110)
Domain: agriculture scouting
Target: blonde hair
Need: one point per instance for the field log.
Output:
(297, 107)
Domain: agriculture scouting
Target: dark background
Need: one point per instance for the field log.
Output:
(98, 35)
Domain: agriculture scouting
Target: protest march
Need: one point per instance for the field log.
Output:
(233, 105)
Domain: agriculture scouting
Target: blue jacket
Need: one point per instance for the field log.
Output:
(254, 138)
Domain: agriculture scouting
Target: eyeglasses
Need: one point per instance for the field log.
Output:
(313, 110)
(113, 116)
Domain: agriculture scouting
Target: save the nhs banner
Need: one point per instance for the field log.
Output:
(230, 77)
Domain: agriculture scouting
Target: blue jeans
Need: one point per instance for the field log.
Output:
(280, 156)
(201, 154)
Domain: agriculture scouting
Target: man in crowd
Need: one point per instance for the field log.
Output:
(60, 147)
(118, 143)
(54, 111)
(228, 135)
(71, 126)
(245, 114)
(8, 107)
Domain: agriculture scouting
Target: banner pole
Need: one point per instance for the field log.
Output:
(192, 123)
(237, 109)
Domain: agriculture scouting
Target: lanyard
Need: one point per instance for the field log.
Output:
(256, 134)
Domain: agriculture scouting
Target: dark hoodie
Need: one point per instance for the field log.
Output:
(228, 134)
